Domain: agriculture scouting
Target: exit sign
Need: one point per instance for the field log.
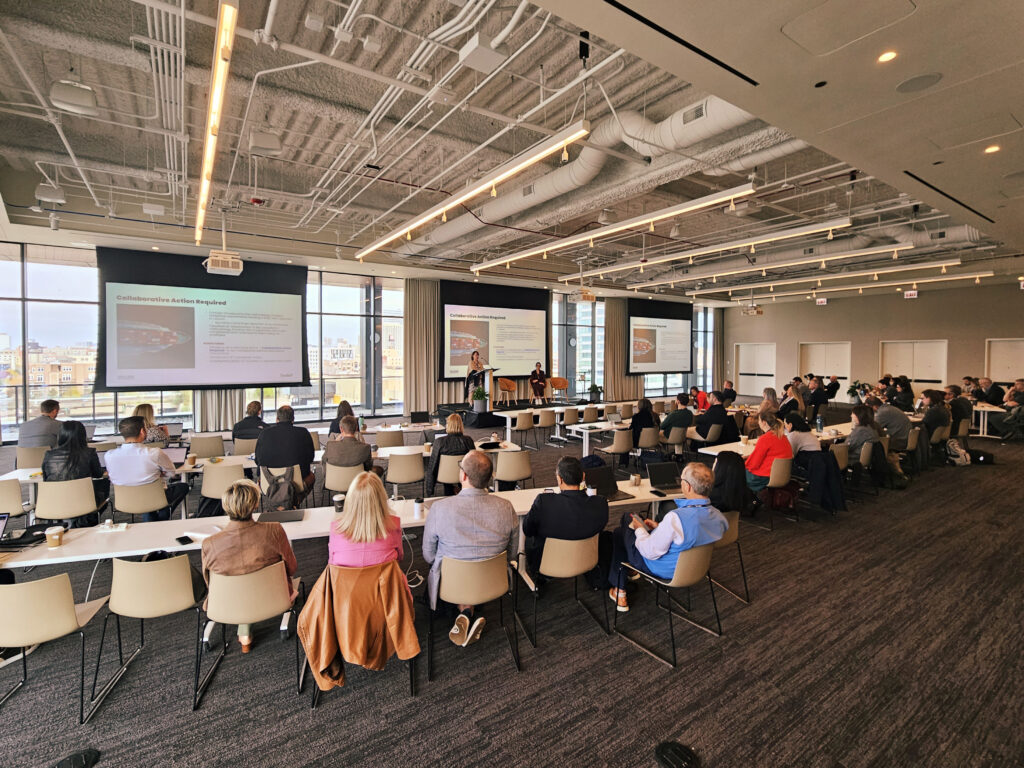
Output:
(910, 294)
(821, 302)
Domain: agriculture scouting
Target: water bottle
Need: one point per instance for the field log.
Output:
(362, 424)
(820, 423)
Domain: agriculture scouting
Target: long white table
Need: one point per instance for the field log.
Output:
(982, 410)
(511, 416)
(595, 428)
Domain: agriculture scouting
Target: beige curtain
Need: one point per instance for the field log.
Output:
(218, 409)
(618, 385)
(718, 345)
(423, 391)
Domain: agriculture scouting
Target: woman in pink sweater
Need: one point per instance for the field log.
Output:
(365, 533)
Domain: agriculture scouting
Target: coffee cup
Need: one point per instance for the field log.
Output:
(591, 491)
(635, 479)
(191, 459)
(417, 509)
(427, 446)
(339, 501)
(494, 436)
(54, 536)
(744, 439)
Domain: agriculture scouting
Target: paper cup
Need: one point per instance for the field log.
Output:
(745, 439)
(417, 509)
(54, 536)
(339, 501)
(191, 459)
(635, 479)
(591, 491)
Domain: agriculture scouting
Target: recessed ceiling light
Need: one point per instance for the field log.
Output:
(887, 56)
(992, 149)
(155, 247)
(287, 261)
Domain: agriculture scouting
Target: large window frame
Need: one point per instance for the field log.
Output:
(702, 332)
(577, 343)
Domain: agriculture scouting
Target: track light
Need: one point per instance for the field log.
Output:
(764, 273)
(895, 255)
(408, 235)
(819, 283)
(822, 263)
(444, 216)
(641, 269)
(830, 234)
(674, 232)
(977, 281)
(545, 255)
(875, 276)
(691, 261)
(494, 191)
(591, 243)
(914, 286)
(752, 248)
(732, 204)
(651, 227)
(771, 288)
(860, 290)
(565, 154)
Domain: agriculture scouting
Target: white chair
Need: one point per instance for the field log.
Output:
(140, 499)
(404, 468)
(513, 467)
(207, 447)
(67, 499)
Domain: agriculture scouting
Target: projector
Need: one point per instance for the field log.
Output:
(74, 97)
(223, 263)
(580, 296)
(752, 310)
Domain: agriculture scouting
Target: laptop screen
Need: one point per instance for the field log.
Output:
(3, 523)
(174, 429)
(602, 479)
(420, 417)
(663, 474)
(614, 418)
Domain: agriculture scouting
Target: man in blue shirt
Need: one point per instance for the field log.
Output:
(654, 547)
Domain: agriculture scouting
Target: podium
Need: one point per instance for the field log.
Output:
(488, 385)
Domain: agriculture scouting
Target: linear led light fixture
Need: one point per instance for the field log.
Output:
(834, 276)
(549, 146)
(887, 284)
(611, 229)
(820, 259)
(227, 17)
(783, 234)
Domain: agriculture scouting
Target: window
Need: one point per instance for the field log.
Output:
(702, 331)
(577, 340)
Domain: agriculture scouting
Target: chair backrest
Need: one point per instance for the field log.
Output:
(390, 438)
(506, 385)
(912, 440)
(513, 466)
(733, 532)
(473, 582)
(590, 414)
(277, 472)
(64, 499)
(36, 611)
(842, 453)
(217, 478)
(316, 439)
(676, 436)
(405, 468)
(692, 565)
(940, 435)
(963, 428)
(243, 447)
(741, 420)
(448, 470)
(546, 418)
(673, 405)
(782, 471)
(865, 454)
(714, 433)
(524, 421)
(659, 406)
(564, 559)
(571, 416)
(10, 498)
(622, 441)
(161, 444)
(610, 409)
(627, 411)
(559, 383)
(30, 458)
(726, 403)
(207, 447)
(254, 597)
(885, 440)
(103, 447)
(139, 499)
(151, 589)
(648, 438)
(338, 479)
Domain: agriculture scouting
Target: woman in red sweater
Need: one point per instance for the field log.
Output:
(769, 446)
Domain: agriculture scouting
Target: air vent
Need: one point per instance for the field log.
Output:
(808, 251)
(528, 190)
(693, 114)
(939, 235)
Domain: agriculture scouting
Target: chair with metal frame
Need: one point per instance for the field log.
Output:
(207, 447)
(561, 559)
(38, 612)
(589, 414)
(142, 590)
(659, 406)
(570, 416)
(404, 468)
(475, 582)
(610, 409)
(104, 447)
(29, 457)
(712, 438)
(67, 499)
(217, 478)
(513, 467)
(297, 481)
(648, 439)
(732, 536)
(390, 438)
(10, 498)
(779, 476)
(676, 439)
(911, 450)
(626, 411)
(448, 470)
(338, 479)
(523, 426)
(243, 446)
(559, 384)
(140, 499)
(691, 568)
(506, 391)
(315, 437)
(545, 421)
(622, 445)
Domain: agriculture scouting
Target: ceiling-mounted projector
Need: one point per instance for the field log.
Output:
(48, 193)
(223, 263)
(73, 97)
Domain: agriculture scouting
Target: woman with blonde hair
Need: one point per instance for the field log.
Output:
(155, 433)
(365, 533)
(453, 443)
(769, 404)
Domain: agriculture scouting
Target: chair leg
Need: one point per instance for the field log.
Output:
(24, 677)
(518, 618)
(199, 687)
(743, 572)
(96, 700)
(512, 635)
(412, 676)
(593, 614)
(430, 643)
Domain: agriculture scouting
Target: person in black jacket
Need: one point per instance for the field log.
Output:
(252, 425)
(716, 414)
(730, 492)
(728, 393)
(344, 409)
(570, 514)
(73, 459)
(284, 445)
(960, 407)
(817, 397)
(454, 442)
(989, 392)
(936, 412)
(832, 388)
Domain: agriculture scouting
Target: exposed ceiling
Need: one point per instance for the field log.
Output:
(347, 89)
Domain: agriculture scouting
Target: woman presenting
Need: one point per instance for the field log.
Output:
(538, 380)
(474, 373)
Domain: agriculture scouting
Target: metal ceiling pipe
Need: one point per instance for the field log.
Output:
(266, 34)
(502, 36)
(748, 162)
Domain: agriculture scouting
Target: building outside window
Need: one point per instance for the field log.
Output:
(577, 339)
(702, 332)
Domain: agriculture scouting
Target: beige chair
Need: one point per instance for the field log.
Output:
(569, 417)
(546, 421)
(338, 479)
(676, 438)
(142, 590)
(842, 453)
(248, 599)
(140, 499)
(41, 611)
(448, 470)
(779, 477)
(217, 478)
(732, 536)
(243, 447)
(10, 498)
(103, 447)
(590, 414)
(562, 559)
(610, 409)
(648, 439)
(297, 481)
(506, 391)
(940, 436)
(524, 427)
(963, 431)
(691, 568)
(29, 458)
(316, 439)
(911, 452)
(476, 582)
(659, 406)
(66, 499)
(390, 438)
(713, 436)
(207, 447)
(626, 411)
(513, 467)
(622, 445)
(404, 468)
(673, 405)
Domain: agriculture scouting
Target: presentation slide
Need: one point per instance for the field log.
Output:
(513, 340)
(165, 336)
(659, 345)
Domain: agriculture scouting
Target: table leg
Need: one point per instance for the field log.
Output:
(983, 426)
(508, 430)
(586, 442)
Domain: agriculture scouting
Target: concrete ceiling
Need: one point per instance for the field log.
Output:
(363, 150)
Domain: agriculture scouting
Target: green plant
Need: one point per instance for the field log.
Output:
(479, 394)
(595, 389)
(855, 388)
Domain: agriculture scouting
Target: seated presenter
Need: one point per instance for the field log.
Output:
(538, 380)
(474, 373)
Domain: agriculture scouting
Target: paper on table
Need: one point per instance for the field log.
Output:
(112, 528)
(204, 532)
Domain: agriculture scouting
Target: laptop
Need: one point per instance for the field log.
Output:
(90, 430)
(4, 517)
(615, 418)
(420, 417)
(664, 475)
(602, 479)
(175, 429)
(282, 516)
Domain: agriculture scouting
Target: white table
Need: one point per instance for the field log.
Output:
(982, 410)
(245, 461)
(425, 448)
(510, 416)
(596, 427)
(744, 450)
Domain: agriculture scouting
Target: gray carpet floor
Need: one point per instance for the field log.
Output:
(887, 636)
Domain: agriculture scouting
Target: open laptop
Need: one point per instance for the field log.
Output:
(282, 516)
(602, 479)
(664, 475)
(90, 431)
(174, 429)
(615, 418)
(420, 417)
(4, 517)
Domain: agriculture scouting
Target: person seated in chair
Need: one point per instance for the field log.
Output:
(73, 459)
(654, 548)
(134, 463)
(989, 392)
(569, 514)
(347, 450)
(728, 393)
(816, 397)
(252, 426)
(893, 421)
(680, 417)
(832, 388)
(454, 442)
(960, 408)
(771, 445)
(285, 445)
(366, 532)
(715, 414)
(43, 430)
(538, 380)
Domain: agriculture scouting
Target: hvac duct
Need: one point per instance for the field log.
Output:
(755, 159)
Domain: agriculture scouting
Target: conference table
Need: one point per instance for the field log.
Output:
(511, 416)
(595, 428)
(982, 410)
(425, 448)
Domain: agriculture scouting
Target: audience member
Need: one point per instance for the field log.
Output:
(904, 399)
(73, 459)
(715, 414)
(1015, 395)
(346, 450)
(285, 445)
(791, 401)
(643, 418)
(730, 492)
(960, 408)
(471, 526)
(134, 463)
(698, 399)
(680, 417)
(728, 393)
(832, 388)
(43, 430)
(569, 514)
(799, 434)
(155, 433)
(365, 533)
(453, 443)
(769, 404)
(802, 389)
(887, 389)
(252, 426)
(770, 445)
(893, 421)
(936, 412)
(969, 384)
(245, 546)
(816, 397)
(653, 547)
(987, 392)
(344, 409)
(864, 430)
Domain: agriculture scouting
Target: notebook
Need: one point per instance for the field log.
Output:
(602, 479)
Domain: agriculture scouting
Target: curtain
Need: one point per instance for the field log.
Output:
(218, 409)
(423, 391)
(718, 345)
(618, 385)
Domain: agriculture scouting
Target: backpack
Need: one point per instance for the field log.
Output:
(280, 492)
(956, 455)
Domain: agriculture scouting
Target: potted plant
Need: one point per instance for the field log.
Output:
(595, 393)
(479, 398)
(855, 390)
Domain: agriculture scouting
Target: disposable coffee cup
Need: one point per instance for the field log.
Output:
(494, 435)
(745, 439)
(635, 479)
(191, 459)
(417, 509)
(591, 491)
(54, 536)
(427, 445)
(339, 501)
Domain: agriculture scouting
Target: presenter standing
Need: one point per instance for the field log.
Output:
(474, 373)
(538, 380)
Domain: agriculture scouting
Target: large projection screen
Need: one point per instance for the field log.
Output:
(660, 340)
(167, 324)
(508, 326)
